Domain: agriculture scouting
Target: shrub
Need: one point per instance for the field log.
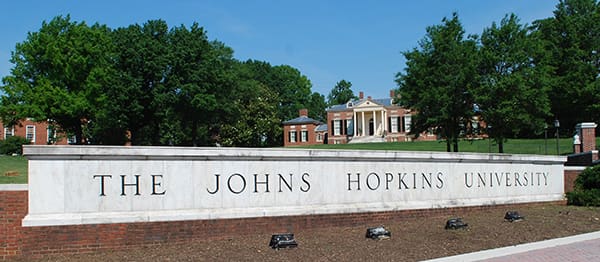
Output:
(589, 197)
(589, 178)
(587, 188)
(13, 145)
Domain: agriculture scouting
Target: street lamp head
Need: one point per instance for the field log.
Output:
(556, 123)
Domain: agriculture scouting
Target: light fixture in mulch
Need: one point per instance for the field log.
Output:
(378, 233)
(283, 241)
(513, 216)
(455, 223)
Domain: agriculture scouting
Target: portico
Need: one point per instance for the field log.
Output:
(370, 121)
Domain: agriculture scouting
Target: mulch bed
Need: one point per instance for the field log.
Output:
(411, 240)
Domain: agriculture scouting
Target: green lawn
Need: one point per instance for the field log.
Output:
(13, 164)
(512, 146)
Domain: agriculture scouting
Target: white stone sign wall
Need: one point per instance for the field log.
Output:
(90, 184)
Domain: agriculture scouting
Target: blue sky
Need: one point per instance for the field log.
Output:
(359, 41)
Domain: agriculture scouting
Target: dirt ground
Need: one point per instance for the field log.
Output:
(411, 239)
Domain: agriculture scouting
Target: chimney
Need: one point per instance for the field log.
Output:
(361, 95)
(303, 112)
(369, 98)
(392, 93)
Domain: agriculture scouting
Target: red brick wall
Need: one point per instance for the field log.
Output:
(588, 139)
(31, 242)
(41, 133)
(311, 139)
(13, 207)
(570, 176)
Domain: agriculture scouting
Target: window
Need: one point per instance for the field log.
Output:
(72, 140)
(30, 133)
(304, 136)
(319, 137)
(50, 135)
(8, 132)
(293, 136)
(350, 127)
(407, 121)
(337, 127)
(394, 124)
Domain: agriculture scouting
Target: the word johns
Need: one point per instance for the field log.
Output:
(237, 183)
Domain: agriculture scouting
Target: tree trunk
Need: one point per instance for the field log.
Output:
(501, 146)
(195, 133)
(448, 145)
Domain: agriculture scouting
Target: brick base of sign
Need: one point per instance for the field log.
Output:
(570, 176)
(31, 242)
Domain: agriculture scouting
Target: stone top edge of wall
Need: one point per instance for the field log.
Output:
(72, 152)
(14, 187)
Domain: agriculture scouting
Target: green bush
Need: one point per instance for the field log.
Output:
(13, 145)
(589, 197)
(587, 188)
(589, 178)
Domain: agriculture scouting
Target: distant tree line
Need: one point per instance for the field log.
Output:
(518, 78)
(151, 85)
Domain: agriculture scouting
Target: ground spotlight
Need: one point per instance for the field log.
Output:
(455, 223)
(378, 233)
(283, 241)
(513, 216)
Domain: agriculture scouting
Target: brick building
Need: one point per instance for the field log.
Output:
(303, 130)
(39, 133)
(371, 120)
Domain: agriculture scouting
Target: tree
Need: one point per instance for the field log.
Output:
(132, 105)
(201, 79)
(255, 122)
(291, 92)
(512, 95)
(341, 93)
(438, 80)
(316, 107)
(59, 73)
(572, 41)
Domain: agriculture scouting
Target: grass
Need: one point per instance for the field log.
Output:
(512, 146)
(14, 165)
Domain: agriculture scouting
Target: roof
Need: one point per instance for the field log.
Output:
(302, 120)
(350, 104)
(321, 128)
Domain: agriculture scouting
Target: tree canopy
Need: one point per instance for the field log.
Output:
(151, 85)
(340, 93)
(516, 78)
(512, 92)
(438, 81)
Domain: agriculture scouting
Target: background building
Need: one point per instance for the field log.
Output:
(304, 130)
(39, 133)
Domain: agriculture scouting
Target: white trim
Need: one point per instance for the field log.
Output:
(32, 134)
(58, 219)
(575, 168)
(14, 187)
(586, 125)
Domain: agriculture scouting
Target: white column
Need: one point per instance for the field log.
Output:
(354, 127)
(383, 122)
(363, 123)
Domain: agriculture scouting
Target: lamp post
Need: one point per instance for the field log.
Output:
(546, 138)
(557, 125)
(489, 128)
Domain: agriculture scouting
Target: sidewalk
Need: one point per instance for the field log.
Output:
(584, 247)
